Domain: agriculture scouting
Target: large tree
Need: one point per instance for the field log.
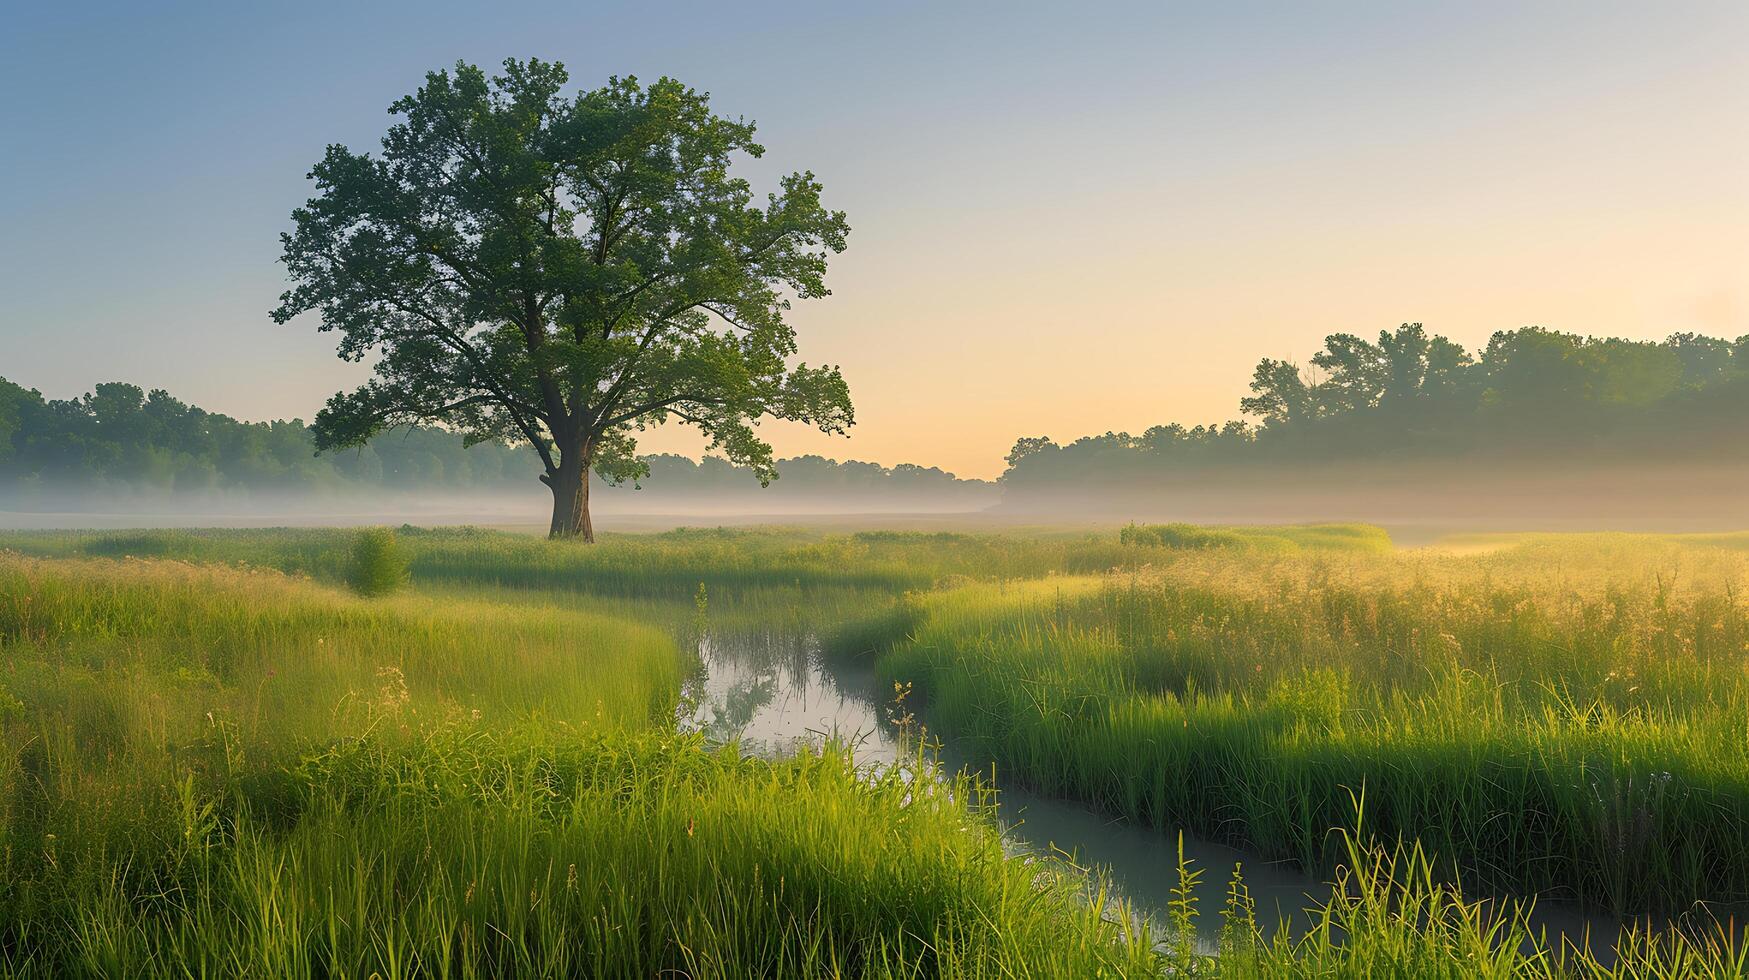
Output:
(564, 271)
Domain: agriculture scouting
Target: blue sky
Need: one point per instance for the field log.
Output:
(1066, 217)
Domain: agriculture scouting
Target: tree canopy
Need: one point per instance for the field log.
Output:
(565, 271)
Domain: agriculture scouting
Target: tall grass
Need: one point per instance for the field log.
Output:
(230, 772)
(668, 565)
(1391, 915)
(1563, 718)
(1283, 538)
(130, 654)
(524, 854)
(238, 768)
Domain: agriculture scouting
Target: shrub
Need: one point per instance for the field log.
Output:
(378, 568)
(147, 544)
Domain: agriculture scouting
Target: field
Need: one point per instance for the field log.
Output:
(221, 760)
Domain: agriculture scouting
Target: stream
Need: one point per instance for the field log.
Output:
(774, 692)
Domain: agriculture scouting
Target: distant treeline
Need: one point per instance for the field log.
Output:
(1532, 397)
(1350, 434)
(863, 485)
(120, 438)
(119, 441)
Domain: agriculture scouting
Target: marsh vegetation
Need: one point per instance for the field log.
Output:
(219, 758)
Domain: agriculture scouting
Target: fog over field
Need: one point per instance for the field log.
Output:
(1497, 496)
(626, 508)
(1125, 491)
(1413, 501)
(1540, 429)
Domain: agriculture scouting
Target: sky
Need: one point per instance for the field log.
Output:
(1067, 218)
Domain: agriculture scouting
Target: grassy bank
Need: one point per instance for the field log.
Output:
(1562, 717)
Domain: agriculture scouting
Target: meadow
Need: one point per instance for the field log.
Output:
(221, 760)
(220, 770)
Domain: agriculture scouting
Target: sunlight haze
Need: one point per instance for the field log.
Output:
(1065, 218)
(1098, 491)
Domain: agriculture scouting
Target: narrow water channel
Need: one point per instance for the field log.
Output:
(774, 692)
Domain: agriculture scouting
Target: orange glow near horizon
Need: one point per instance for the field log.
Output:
(1062, 224)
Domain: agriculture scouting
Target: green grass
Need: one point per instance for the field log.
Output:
(378, 568)
(218, 760)
(126, 655)
(531, 853)
(226, 771)
(668, 565)
(1274, 538)
(1563, 718)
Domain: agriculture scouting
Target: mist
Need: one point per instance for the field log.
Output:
(1417, 501)
(652, 506)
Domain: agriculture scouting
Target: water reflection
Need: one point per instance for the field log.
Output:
(773, 691)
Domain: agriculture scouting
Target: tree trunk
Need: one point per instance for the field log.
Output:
(571, 504)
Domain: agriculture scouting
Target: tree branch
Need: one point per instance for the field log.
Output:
(665, 403)
(617, 389)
